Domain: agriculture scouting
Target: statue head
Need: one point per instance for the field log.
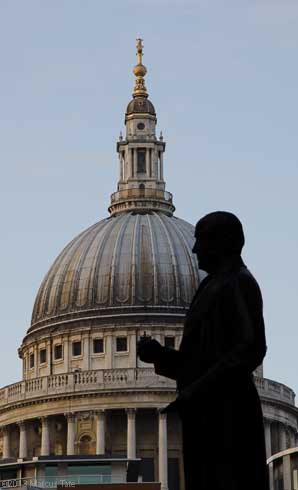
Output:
(219, 238)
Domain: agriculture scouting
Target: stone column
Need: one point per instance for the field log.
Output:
(70, 433)
(120, 166)
(135, 162)
(287, 477)
(24, 366)
(100, 432)
(155, 164)
(161, 164)
(268, 438)
(128, 164)
(282, 437)
(6, 442)
(23, 440)
(148, 162)
(45, 437)
(131, 433)
(271, 476)
(162, 451)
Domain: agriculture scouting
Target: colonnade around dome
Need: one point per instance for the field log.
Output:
(91, 432)
(135, 432)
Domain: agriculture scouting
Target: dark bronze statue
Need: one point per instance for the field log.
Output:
(223, 343)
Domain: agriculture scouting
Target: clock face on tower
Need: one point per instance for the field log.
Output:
(141, 126)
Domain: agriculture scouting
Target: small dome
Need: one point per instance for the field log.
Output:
(119, 266)
(140, 105)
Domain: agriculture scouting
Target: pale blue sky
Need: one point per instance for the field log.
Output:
(223, 77)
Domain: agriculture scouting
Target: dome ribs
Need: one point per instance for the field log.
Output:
(46, 297)
(133, 260)
(186, 230)
(93, 276)
(104, 265)
(79, 296)
(144, 265)
(118, 240)
(176, 297)
(67, 282)
(97, 286)
(172, 242)
(71, 270)
(70, 286)
(124, 275)
(41, 304)
(153, 248)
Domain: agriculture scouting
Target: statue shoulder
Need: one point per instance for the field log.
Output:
(248, 285)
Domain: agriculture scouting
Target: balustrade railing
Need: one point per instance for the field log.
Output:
(116, 379)
(137, 193)
(80, 381)
(57, 381)
(272, 389)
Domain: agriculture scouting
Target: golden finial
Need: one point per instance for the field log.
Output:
(139, 51)
(140, 71)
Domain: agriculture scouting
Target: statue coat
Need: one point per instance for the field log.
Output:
(222, 344)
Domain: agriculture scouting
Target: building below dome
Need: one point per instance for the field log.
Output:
(85, 395)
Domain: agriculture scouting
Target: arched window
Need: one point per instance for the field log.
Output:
(86, 446)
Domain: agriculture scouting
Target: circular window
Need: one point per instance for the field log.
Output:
(141, 126)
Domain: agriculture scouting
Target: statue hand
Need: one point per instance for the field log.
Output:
(149, 350)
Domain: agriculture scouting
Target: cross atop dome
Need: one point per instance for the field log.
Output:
(140, 71)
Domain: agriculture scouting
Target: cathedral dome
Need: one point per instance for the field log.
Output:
(138, 263)
(123, 265)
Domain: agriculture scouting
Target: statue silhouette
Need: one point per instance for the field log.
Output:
(223, 343)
